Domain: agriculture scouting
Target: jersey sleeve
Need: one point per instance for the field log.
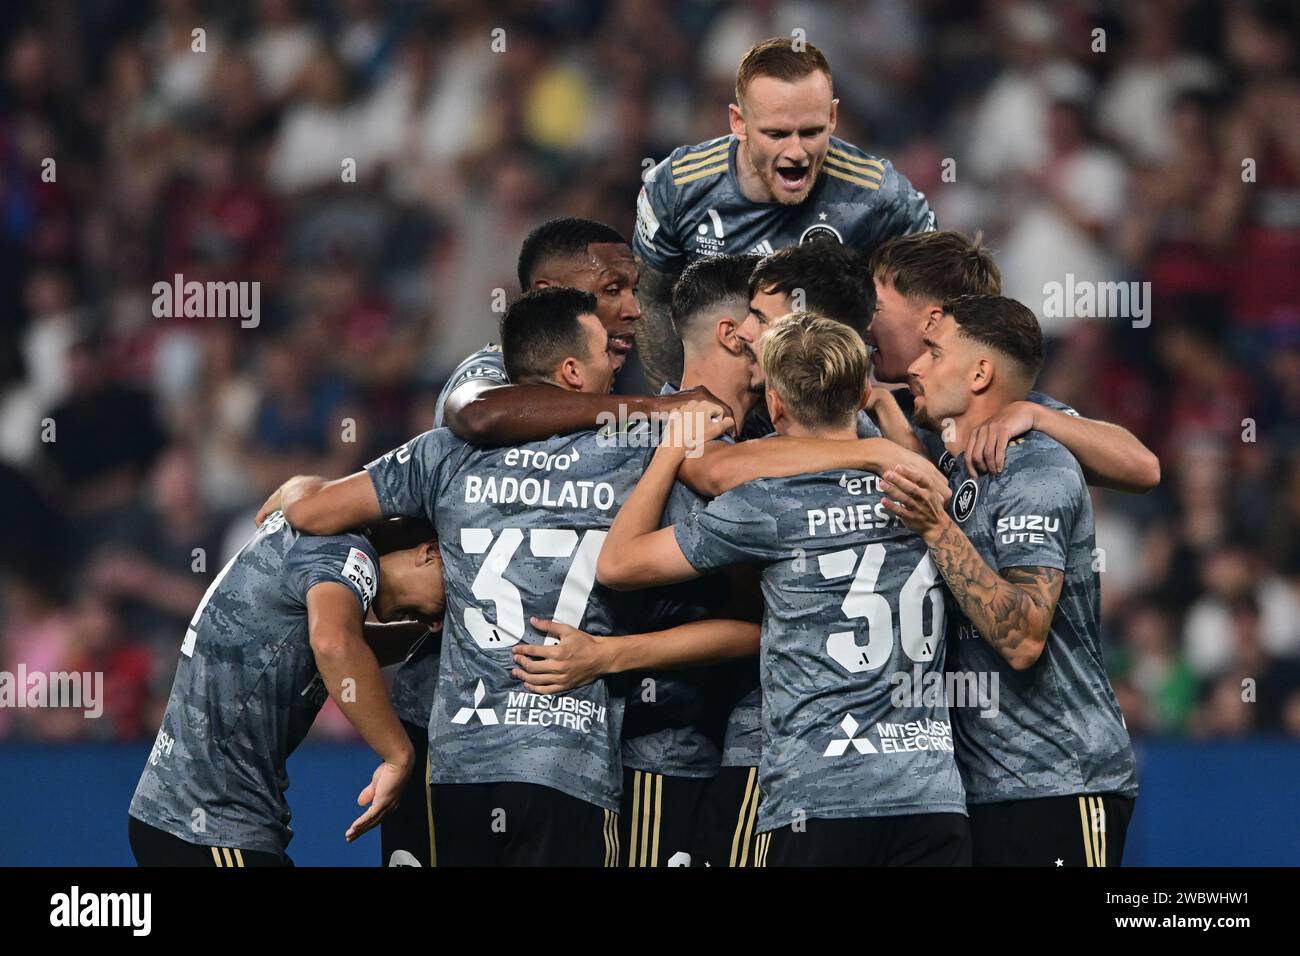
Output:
(1033, 506)
(867, 428)
(655, 238)
(349, 560)
(486, 365)
(1038, 398)
(906, 211)
(738, 527)
(406, 478)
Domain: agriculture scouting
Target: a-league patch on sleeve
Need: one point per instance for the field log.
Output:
(646, 222)
(361, 571)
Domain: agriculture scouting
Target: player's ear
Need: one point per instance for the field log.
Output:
(932, 318)
(427, 553)
(982, 376)
(835, 112)
(866, 395)
(725, 333)
(775, 407)
(571, 374)
(737, 120)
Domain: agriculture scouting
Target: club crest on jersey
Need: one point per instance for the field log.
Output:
(963, 502)
(820, 231)
(947, 462)
(710, 237)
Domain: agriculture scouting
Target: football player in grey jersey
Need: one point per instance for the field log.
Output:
(1050, 775)
(667, 747)
(481, 406)
(852, 770)
(278, 630)
(779, 178)
(913, 277)
(520, 777)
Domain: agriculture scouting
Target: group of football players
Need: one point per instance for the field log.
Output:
(777, 613)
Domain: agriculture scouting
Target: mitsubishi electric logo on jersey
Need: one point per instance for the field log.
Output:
(710, 242)
(485, 715)
(914, 735)
(840, 746)
(553, 710)
(534, 710)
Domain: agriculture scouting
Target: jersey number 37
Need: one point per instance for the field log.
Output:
(490, 584)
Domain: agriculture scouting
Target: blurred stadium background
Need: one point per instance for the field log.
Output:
(226, 164)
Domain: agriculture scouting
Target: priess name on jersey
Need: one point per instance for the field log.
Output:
(531, 491)
(1027, 528)
(860, 517)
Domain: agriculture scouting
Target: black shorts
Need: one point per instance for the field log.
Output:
(519, 824)
(405, 836)
(916, 839)
(153, 847)
(725, 831)
(1077, 831)
(657, 818)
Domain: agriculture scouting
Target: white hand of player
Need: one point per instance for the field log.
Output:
(691, 425)
(556, 668)
(382, 794)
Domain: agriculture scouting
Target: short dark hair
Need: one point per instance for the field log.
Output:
(1002, 324)
(559, 239)
(708, 283)
(835, 282)
(937, 266)
(779, 59)
(541, 329)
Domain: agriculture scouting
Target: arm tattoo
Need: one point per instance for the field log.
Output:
(1012, 611)
(657, 341)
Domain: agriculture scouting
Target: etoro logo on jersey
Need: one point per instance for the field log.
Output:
(710, 241)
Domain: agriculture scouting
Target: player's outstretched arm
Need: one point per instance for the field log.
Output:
(637, 553)
(1111, 456)
(1014, 611)
(483, 413)
(580, 658)
(657, 341)
(894, 425)
(722, 467)
(351, 675)
(316, 506)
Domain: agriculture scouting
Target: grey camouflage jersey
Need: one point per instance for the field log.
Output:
(1058, 730)
(743, 744)
(520, 530)
(854, 606)
(691, 206)
(417, 679)
(246, 691)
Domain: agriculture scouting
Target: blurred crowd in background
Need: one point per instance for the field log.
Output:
(228, 163)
